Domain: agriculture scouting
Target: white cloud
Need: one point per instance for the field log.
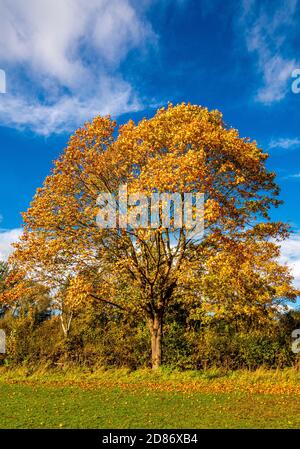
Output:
(264, 27)
(63, 58)
(290, 254)
(297, 175)
(113, 96)
(285, 143)
(277, 73)
(7, 237)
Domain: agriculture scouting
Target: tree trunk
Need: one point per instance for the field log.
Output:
(155, 326)
(66, 326)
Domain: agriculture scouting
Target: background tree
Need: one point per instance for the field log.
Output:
(21, 295)
(4, 271)
(242, 284)
(140, 271)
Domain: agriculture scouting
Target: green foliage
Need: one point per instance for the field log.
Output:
(99, 339)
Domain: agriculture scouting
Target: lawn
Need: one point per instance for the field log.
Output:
(144, 400)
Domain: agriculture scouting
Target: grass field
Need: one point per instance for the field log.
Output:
(119, 399)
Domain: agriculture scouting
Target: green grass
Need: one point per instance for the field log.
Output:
(119, 399)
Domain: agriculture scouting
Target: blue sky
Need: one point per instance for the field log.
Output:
(69, 60)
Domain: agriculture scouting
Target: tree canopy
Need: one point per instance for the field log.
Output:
(233, 268)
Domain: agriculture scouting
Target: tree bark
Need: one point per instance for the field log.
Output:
(156, 327)
(66, 326)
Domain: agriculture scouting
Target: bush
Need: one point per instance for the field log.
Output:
(99, 339)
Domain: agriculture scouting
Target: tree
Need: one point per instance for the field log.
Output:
(22, 295)
(4, 271)
(243, 285)
(141, 271)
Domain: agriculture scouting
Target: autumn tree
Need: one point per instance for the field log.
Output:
(4, 272)
(20, 294)
(242, 284)
(142, 270)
